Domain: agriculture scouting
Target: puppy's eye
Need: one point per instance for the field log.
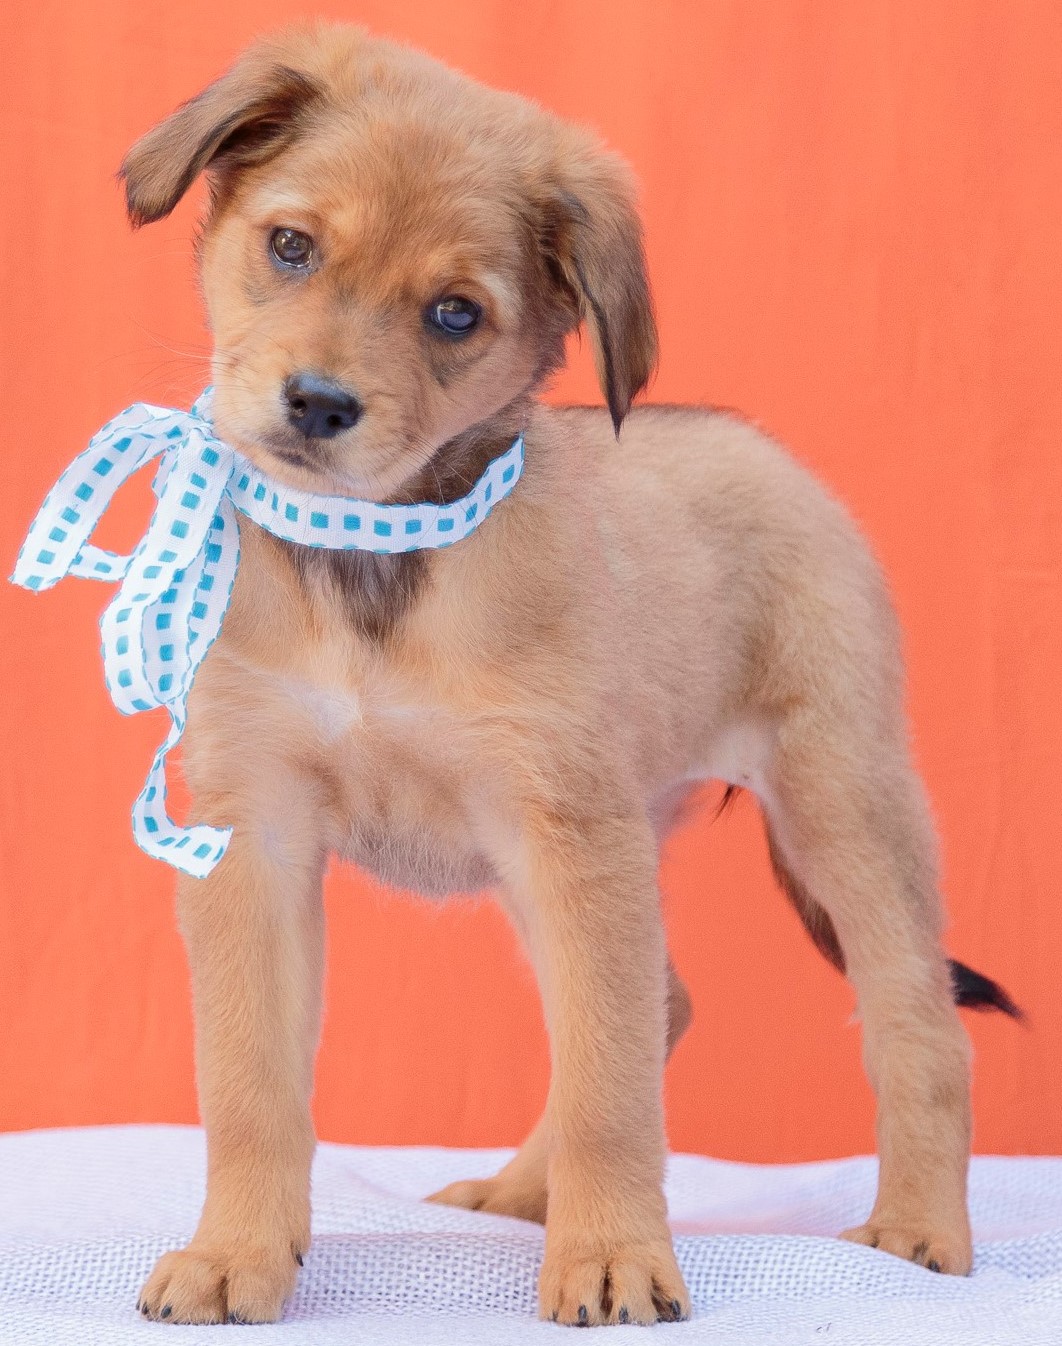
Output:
(455, 316)
(290, 247)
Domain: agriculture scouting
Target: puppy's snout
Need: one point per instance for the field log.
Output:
(320, 408)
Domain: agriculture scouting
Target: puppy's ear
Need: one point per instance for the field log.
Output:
(246, 116)
(593, 246)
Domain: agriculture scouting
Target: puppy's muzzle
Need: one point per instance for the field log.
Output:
(320, 408)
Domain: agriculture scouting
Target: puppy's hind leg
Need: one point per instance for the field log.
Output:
(519, 1189)
(851, 835)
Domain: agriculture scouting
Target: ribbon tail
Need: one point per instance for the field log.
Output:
(193, 850)
(191, 616)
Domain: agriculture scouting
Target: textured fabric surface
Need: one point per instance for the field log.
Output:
(84, 1213)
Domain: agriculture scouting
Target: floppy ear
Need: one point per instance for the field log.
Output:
(593, 242)
(246, 116)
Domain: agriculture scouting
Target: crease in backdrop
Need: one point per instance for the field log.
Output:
(852, 223)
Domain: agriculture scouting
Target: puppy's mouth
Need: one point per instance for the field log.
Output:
(307, 465)
(309, 462)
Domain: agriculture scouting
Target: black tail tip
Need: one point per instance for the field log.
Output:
(971, 990)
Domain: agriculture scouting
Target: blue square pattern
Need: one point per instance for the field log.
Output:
(413, 526)
(190, 500)
(291, 513)
(351, 522)
(317, 519)
(381, 528)
(84, 492)
(445, 525)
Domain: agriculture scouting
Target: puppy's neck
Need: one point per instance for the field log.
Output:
(373, 592)
(460, 462)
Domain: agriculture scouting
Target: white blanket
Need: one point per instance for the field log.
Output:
(84, 1214)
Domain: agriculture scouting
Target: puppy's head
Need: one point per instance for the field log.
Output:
(392, 255)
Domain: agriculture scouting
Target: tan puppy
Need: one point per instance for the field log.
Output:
(392, 259)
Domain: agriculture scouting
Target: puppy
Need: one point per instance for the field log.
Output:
(405, 251)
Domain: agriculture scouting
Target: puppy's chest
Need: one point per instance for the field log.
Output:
(399, 765)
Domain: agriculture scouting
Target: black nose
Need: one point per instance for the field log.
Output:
(319, 408)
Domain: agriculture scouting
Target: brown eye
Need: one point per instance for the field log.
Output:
(455, 316)
(290, 247)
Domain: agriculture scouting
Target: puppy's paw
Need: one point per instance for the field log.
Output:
(936, 1249)
(221, 1285)
(623, 1283)
(495, 1196)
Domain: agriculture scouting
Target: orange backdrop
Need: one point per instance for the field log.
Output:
(852, 215)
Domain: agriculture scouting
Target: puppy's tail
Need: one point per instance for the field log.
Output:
(969, 989)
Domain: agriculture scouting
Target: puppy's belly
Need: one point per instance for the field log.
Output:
(414, 860)
(742, 753)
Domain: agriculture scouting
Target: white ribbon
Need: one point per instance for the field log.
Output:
(176, 585)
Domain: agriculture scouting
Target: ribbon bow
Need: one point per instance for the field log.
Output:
(176, 585)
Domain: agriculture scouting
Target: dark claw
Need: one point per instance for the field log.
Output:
(166, 1311)
(624, 1316)
(298, 1258)
(920, 1250)
(584, 1317)
(144, 1309)
(676, 1310)
(932, 1265)
(553, 1316)
(234, 1317)
(138, 1306)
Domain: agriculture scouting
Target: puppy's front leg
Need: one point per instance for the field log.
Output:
(587, 882)
(253, 930)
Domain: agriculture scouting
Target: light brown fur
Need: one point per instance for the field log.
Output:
(520, 712)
